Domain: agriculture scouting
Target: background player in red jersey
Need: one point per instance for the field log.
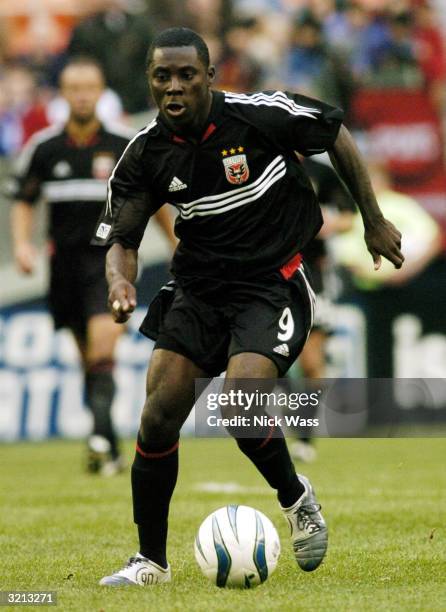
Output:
(69, 166)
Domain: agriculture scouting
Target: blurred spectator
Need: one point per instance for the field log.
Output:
(237, 70)
(118, 40)
(166, 14)
(430, 53)
(312, 67)
(394, 62)
(22, 108)
(208, 17)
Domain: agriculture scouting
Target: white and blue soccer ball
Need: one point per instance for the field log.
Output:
(237, 546)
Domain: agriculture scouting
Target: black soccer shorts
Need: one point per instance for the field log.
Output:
(78, 288)
(210, 320)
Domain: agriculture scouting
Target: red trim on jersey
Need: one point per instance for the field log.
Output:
(160, 455)
(88, 142)
(288, 269)
(268, 437)
(210, 130)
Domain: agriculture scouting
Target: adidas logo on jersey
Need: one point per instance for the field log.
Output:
(282, 349)
(177, 185)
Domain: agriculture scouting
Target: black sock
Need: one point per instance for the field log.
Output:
(271, 457)
(154, 475)
(99, 391)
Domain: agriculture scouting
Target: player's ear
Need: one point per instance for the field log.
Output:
(211, 74)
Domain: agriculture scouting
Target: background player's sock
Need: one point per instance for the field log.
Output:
(154, 475)
(271, 457)
(99, 391)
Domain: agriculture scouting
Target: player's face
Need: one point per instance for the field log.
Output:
(82, 87)
(180, 86)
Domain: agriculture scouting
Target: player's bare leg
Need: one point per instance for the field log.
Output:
(98, 358)
(270, 455)
(312, 357)
(170, 397)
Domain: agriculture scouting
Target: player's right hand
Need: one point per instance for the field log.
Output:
(383, 238)
(25, 255)
(121, 300)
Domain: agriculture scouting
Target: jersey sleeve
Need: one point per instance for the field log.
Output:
(28, 174)
(292, 121)
(129, 204)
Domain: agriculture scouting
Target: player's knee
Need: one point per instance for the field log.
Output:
(158, 421)
(314, 368)
(97, 353)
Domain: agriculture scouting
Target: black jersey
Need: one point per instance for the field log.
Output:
(245, 203)
(71, 178)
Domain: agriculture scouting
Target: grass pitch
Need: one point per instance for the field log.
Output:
(384, 501)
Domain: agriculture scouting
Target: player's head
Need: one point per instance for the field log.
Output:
(82, 84)
(180, 77)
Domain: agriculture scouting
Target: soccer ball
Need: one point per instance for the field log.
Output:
(237, 546)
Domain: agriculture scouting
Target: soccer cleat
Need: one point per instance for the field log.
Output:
(100, 459)
(98, 453)
(140, 571)
(303, 451)
(309, 533)
(111, 467)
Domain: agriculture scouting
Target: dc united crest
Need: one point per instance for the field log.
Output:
(236, 166)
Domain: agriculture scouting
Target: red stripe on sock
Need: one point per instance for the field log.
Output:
(268, 437)
(101, 366)
(160, 455)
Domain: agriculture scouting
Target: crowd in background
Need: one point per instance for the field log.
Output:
(326, 48)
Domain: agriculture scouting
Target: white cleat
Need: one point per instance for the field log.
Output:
(138, 571)
(309, 533)
(303, 451)
(111, 467)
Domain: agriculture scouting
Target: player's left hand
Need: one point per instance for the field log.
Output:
(382, 238)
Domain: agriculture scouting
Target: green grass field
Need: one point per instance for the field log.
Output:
(384, 501)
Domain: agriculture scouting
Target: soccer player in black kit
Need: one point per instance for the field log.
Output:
(242, 299)
(69, 165)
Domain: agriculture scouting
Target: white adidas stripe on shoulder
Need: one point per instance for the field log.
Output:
(142, 132)
(278, 99)
(275, 104)
(280, 95)
(25, 156)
